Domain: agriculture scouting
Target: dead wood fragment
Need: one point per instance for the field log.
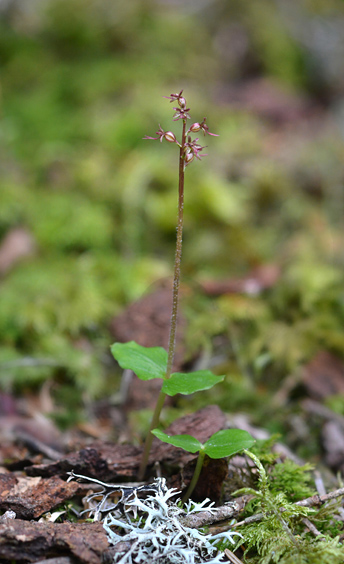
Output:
(231, 556)
(317, 408)
(229, 511)
(333, 442)
(111, 463)
(107, 462)
(29, 498)
(312, 528)
(36, 445)
(31, 541)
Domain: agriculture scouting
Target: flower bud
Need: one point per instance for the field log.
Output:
(170, 137)
(195, 127)
(181, 101)
(189, 157)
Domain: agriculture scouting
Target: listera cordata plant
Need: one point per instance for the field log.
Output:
(156, 362)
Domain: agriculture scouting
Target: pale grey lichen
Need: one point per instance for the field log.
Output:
(147, 526)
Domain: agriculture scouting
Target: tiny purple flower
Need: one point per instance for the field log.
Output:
(180, 99)
(160, 134)
(188, 157)
(181, 113)
(170, 137)
(195, 127)
(194, 148)
(205, 128)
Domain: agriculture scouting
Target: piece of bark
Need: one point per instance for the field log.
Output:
(111, 463)
(13, 455)
(210, 482)
(324, 376)
(104, 461)
(31, 541)
(29, 498)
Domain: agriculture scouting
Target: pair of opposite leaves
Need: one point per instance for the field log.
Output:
(151, 362)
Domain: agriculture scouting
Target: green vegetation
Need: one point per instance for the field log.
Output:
(220, 445)
(80, 85)
(79, 89)
(279, 534)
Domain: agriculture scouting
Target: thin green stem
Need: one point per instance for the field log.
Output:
(195, 476)
(149, 439)
(174, 314)
(177, 259)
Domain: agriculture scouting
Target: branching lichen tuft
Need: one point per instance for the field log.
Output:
(145, 525)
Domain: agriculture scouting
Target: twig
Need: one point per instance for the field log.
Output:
(228, 511)
(317, 408)
(231, 556)
(320, 499)
(38, 446)
(312, 528)
(319, 484)
(308, 502)
(29, 361)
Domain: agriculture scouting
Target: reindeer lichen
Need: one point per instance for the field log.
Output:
(145, 525)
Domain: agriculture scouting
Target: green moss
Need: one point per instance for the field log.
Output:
(280, 536)
(70, 222)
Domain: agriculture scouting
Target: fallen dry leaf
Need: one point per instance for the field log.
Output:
(17, 244)
(259, 279)
(324, 375)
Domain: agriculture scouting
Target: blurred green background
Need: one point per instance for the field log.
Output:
(95, 206)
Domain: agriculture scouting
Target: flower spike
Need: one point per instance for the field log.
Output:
(190, 149)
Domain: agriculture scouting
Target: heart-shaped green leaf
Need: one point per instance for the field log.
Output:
(227, 442)
(180, 383)
(146, 362)
(187, 442)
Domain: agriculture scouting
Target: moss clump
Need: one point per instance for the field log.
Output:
(276, 530)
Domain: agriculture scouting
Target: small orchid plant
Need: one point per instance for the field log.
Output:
(156, 362)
